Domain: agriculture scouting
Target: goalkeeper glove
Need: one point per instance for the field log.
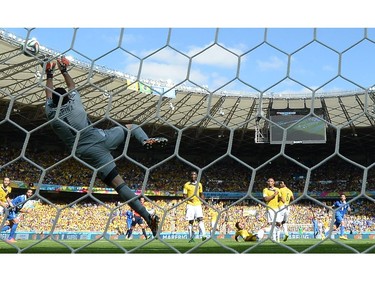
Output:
(63, 64)
(50, 68)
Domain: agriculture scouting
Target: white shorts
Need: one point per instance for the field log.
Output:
(272, 214)
(283, 215)
(193, 212)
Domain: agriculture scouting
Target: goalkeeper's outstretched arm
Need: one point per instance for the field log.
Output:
(50, 68)
(62, 64)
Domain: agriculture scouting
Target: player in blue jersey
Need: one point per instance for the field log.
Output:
(70, 121)
(341, 209)
(137, 220)
(14, 214)
(315, 224)
(129, 220)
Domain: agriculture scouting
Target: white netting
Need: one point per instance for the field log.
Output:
(218, 117)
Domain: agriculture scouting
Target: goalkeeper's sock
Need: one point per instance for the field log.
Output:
(126, 194)
(138, 133)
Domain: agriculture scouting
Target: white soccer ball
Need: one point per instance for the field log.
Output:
(30, 47)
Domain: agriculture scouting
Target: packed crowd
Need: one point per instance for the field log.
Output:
(95, 216)
(110, 216)
(335, 176)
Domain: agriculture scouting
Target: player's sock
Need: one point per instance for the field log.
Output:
(190, 229)
(285, 229)
(278, 231)
(274, 234)
(126, 194)
(144, 233)
(13, 231)
(139, 133)
(341, 230)
(202, 228)
(130, 233)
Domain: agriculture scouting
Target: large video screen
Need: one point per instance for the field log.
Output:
(306, 131)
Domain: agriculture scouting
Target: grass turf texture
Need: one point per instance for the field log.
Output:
(177, 246)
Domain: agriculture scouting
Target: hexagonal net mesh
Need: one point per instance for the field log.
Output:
(238, 106)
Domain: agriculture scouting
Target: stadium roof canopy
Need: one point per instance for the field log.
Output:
(118, 97)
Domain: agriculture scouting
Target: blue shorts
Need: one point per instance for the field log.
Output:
(338, 220)
(12, 215)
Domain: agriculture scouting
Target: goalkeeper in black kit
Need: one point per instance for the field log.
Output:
(69, 120)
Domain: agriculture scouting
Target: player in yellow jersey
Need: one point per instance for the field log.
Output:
(5, 190)
(193, 192)
(244, 234)
(271, 197)
(286, 196)
(325, 226)
(213, 215)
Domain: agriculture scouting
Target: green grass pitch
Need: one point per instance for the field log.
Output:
(181, 246)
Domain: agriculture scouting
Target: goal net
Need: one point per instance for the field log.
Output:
(239, 106)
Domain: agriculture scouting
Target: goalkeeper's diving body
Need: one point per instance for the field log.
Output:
(94, 145)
